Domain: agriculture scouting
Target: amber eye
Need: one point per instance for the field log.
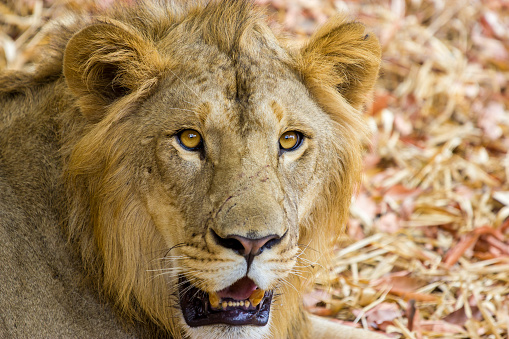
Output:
(290, 140)
(190, 139)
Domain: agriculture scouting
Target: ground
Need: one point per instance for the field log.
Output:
(427, 251)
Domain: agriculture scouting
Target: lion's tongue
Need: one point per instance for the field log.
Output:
(240, 290)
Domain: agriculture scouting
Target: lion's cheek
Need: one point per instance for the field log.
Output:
(308, 198)
(167, 219)
(303, 180)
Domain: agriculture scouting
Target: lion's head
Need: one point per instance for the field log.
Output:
(209, 165)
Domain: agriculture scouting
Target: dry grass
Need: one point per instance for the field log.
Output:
(427, 253)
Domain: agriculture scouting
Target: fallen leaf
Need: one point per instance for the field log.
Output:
(438, 326)
(382, 315)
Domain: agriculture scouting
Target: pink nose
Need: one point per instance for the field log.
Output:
(247, 247)
(253, 246)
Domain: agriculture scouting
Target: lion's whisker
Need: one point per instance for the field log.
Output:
(300, 275)
(175, 257)
(175, 246)
(287, 283)
(310, 263)
(187, 102)
(308, 247)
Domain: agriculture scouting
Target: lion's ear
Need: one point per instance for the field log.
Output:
(341, 56)
(104, 62)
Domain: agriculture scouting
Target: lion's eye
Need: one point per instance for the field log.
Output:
(190, 139)
(290, 141)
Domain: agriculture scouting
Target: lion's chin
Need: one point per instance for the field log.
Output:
(239, 304)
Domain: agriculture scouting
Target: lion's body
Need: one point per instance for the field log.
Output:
(41, 292)
(105, 214)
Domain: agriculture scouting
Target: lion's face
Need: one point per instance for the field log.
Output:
(209, 165)
(229, 208)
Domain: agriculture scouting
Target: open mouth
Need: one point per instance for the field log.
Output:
(242, 303)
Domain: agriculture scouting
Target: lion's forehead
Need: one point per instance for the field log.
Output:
(242, 95)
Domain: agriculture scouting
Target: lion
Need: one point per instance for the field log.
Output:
(178, 173)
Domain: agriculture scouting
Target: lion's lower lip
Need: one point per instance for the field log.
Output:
(198, 312)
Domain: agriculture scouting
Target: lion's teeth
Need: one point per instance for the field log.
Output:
(256, 297)
(214, 300)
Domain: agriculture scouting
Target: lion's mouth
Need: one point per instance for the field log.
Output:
(242, 303)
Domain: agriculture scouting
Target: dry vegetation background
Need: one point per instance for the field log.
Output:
(427, 252)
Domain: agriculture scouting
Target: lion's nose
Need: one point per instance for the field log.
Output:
(248, 247)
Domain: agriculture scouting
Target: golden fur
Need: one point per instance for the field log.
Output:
(138, 208)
